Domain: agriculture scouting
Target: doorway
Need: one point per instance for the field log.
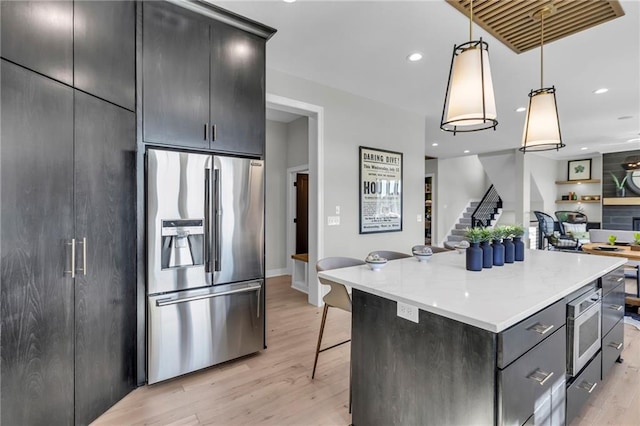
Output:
(302, 213)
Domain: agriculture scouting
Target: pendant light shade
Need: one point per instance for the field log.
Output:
(541, 127)
(469, 102)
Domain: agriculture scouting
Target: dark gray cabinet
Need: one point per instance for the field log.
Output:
(175, 63)
(203, 82)
(105, 285)
(39, 35)
(237, 90)
(36, 224)
(104, 50)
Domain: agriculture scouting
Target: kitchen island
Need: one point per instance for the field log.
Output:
(488, 347)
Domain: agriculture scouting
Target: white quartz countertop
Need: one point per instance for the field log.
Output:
(493, 299)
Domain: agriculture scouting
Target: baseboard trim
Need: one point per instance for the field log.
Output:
(277, 272)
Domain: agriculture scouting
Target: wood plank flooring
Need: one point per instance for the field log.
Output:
(274, 387)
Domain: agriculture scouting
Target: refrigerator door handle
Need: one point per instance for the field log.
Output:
(167, 302)
(207, 220)
(218, 219)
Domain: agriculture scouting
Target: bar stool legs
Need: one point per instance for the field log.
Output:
(324, 319)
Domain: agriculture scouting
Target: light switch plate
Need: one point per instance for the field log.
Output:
(419, 218)
(408, 312)
(333, 220)
(337, 209)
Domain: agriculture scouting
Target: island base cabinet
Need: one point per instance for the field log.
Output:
(398, 368)
(534, 384)
(612, 345)
(582, 387)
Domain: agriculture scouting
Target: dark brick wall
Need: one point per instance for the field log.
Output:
(617, 217)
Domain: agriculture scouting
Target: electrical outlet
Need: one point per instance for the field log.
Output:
(337, 209)
(419, 218)
(333, 220)
(408, 312)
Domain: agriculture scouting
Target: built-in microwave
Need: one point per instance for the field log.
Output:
(584, 322)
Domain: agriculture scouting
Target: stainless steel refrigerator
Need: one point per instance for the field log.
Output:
(205, 260)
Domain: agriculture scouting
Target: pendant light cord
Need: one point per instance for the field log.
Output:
(471, 21)
(541, 50)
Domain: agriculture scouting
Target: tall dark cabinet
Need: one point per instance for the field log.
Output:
(217, 102)
(68, 221)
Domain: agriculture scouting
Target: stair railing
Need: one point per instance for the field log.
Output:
(486, 210)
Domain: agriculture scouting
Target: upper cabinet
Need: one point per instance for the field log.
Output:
(203, 80)
(39, 35)
(104, 50)
(237, 90)
(175, 81)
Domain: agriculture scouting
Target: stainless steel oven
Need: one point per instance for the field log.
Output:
(584, 322)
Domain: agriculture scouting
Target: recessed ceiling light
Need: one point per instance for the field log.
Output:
(434, 144)
(601, 91)
(634, 140)
(521, 109)
(414, 57)
(584, 148)
(289, 1)
(466, 151)
(625, 117)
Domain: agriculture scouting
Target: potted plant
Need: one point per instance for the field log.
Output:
(509, 248)
(620, 190)
(612, 239)
(498, 247)
(487, 250)
(474, 252)
(518, 233)
(636, 242)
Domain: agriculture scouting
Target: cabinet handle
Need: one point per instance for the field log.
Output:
(84, 256)
(589, 387)
(615, 307)
(214, 133)
(541, 328)
(206, 126)
(620, 279)
(72, 271)
(540, 376)
(615, 345)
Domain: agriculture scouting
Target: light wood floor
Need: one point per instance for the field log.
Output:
(274, 387)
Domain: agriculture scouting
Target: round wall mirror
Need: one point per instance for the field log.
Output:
(634, 180)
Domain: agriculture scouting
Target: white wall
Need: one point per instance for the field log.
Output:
(275, 206)
(543, 184)
(298, 142)
(459, 180)
(351, 121)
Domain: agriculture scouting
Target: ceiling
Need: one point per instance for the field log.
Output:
(361, 47)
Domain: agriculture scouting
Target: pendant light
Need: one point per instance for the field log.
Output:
(469, 103)
(542, 127)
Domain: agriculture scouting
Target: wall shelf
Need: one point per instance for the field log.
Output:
(572, 182)
(577, 201)
(621, 201)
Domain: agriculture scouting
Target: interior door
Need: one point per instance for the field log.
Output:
(36, 225)
(302, 213)
(105, 287)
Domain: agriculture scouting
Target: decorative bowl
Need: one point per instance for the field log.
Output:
(423, 254)
(462, 247)
(375, 262)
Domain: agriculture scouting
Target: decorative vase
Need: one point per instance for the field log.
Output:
(519, 249)
(509, 250)
(621, 192)
(474, 257)
(498, 253)
(487, 254)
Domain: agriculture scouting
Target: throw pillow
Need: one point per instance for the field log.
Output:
(571, 228)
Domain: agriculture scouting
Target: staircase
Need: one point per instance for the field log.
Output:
(486, 213)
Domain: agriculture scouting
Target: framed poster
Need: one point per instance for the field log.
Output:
(380, 191)
(580, 169)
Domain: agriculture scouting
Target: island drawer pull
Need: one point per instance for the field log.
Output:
(615, 345)
(615, 307)
(620, 279)
(589, 387)
(541, 328)
(540, 376)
